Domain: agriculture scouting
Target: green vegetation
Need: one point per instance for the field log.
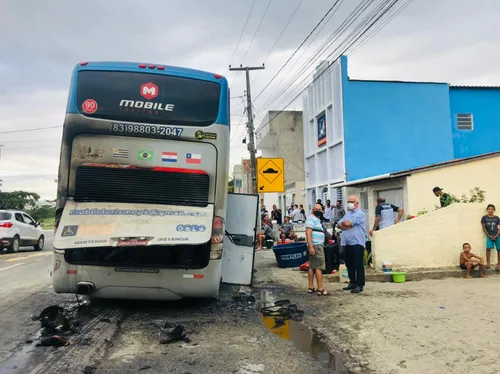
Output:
(476, 195)
(230, 185)
(48, 223)
(19, 200)
(27, 201)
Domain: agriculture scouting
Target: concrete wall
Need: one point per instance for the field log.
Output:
(393, 126)
(433, 240)
(456, 179)
(483, 104)
(287, 130)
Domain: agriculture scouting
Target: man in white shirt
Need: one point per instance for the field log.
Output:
(296, 213)
(328, 211)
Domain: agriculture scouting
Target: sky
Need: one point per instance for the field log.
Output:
(429, 40)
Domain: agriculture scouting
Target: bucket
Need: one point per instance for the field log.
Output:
(398, 277)
(291, 255)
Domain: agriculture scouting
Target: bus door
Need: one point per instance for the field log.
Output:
(239, 240)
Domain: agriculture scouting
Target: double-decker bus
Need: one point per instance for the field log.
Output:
(142, 189)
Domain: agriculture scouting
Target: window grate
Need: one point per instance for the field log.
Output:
(465, 121)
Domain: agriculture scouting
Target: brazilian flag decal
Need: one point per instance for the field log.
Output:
(145, 155)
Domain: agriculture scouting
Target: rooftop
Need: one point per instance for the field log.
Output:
(408, 172)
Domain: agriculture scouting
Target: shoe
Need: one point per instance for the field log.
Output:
(357, 290)
(349, 287)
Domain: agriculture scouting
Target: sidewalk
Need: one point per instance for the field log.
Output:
(429, 326)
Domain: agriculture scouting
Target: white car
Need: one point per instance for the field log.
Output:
(18, 229)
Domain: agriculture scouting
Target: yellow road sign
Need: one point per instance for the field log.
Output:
(270, 175)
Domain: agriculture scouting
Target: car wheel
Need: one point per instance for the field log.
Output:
(14, 245)
(40, 244)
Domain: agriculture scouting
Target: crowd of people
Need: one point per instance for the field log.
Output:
(353, 239)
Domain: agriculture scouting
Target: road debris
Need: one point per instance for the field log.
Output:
(170, 335)
(55, 320)
(283, 309)
(89, 370)
(53, 341)
(241, 296)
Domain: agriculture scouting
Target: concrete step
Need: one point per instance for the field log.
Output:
(411, 275)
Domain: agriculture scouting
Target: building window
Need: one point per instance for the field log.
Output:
(465, 121)
(340, 195)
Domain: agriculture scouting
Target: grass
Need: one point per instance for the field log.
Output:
(48, 223)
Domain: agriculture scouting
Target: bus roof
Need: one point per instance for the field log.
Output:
(149, 68)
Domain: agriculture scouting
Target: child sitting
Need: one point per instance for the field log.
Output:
(469, 260)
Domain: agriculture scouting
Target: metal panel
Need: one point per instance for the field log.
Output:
(393, 196)
(363, 198)
(239, 240)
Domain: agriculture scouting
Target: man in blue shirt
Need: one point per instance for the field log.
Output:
(315, 237)
(353, 226)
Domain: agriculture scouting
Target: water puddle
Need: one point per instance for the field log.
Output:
(17, 362)
(286, 327)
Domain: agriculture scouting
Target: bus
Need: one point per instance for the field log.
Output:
(143, 210)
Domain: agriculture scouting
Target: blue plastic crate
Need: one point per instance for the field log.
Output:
(291, 255)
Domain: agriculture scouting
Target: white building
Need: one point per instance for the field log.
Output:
(323, 135)
(280, 135)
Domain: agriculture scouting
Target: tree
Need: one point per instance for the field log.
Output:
(18, 200)
(230, 185)
(45, 211)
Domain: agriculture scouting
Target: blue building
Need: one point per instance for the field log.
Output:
(361, 129)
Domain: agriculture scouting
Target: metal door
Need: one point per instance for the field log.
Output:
(393, 196)
(363, 197)
(239, 239)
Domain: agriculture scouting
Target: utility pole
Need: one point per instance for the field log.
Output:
(250, 126)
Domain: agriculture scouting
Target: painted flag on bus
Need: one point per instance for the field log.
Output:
(169, 156)
(120, 153)
(193, 158)
(145, 155)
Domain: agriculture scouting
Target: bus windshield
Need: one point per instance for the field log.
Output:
(148, 98)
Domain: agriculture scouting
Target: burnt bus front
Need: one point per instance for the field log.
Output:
(142, 185)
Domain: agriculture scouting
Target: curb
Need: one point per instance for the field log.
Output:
(410, 275)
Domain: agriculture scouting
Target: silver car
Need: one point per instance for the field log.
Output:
(18, 229)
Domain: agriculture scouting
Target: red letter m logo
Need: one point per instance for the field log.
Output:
(149, 90)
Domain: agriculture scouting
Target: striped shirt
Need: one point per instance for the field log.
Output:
(313, 222)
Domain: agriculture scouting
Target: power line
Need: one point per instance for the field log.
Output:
(242, 31)
(34, 129)
(256, 31)
(295, 52)
(308, 45)
(250, 127)
(355, 14)
(394, 2)
(380, 26)
(279, 36)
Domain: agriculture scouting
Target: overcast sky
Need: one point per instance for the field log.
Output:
(431, 40)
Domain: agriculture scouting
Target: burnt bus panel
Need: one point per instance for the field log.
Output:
(122, 152)
(156, 256)
(122, 185)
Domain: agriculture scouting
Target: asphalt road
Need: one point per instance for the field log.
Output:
(225, 335)
(25, 288)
